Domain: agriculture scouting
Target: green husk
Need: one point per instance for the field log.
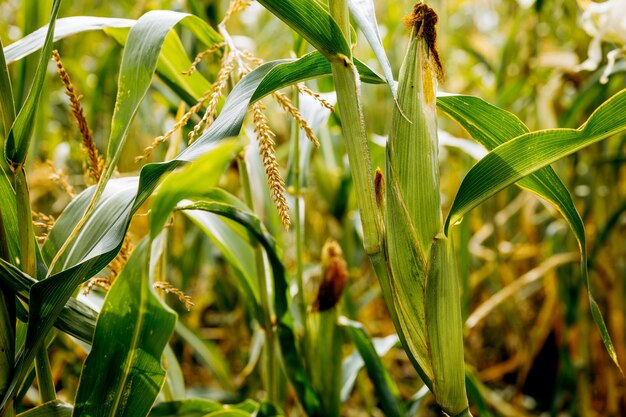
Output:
(445, 331)
(424, 278)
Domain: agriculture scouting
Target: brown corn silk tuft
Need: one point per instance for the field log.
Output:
(424, 19)
(379, 187)
(335, 270)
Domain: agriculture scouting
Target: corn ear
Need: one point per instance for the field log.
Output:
(423, 280)
(413, 168)
(445, 331)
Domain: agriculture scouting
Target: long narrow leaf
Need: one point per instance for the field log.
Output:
(525, 154)
(64, 27)
(54, 408)
(18, 140)
(139, 62)
(193, 181)
(365, 16)
(385, 388)
(313, 23)
(76, 319)
(124, 378)
(8, 213)
(530, 152)
(7, 105)
(492, 126)
(172, 60)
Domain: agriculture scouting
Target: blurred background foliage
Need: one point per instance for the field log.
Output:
(529, 339)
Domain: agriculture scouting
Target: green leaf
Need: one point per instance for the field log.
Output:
(191, 407)
(311, 21)
(235, 248)
(7, 105)
(124, 378)
(527, 153)
(286, 336)
(195, 407)
(491, 126)
(56, 408)
(18, 139)
(9, 229)
(76, 319)
(64, 27)
(139, 62)
(385, 387)
(364, 14)
(228, 413)
(116, 202)
(530, 152)
(9, 233)
(310, 66)
(192, 182)
(172, 61)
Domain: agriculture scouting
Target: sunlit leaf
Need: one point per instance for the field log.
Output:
(54, 408)
(313, 23)
(491, 126)
(192, 181)
(526, 154)
(365, 16)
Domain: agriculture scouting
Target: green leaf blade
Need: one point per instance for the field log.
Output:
(527, 153)
(124, 378)
(193, 181)
(309, 19)
(491, 127)
(18, 140)
(364, 14)
(386, 389)
(56, 408)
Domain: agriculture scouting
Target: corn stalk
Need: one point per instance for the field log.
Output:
(412, 257)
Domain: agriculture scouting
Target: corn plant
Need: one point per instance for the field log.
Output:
(131, 369)
(413, 257)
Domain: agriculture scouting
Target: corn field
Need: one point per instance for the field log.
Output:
(312, 208)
